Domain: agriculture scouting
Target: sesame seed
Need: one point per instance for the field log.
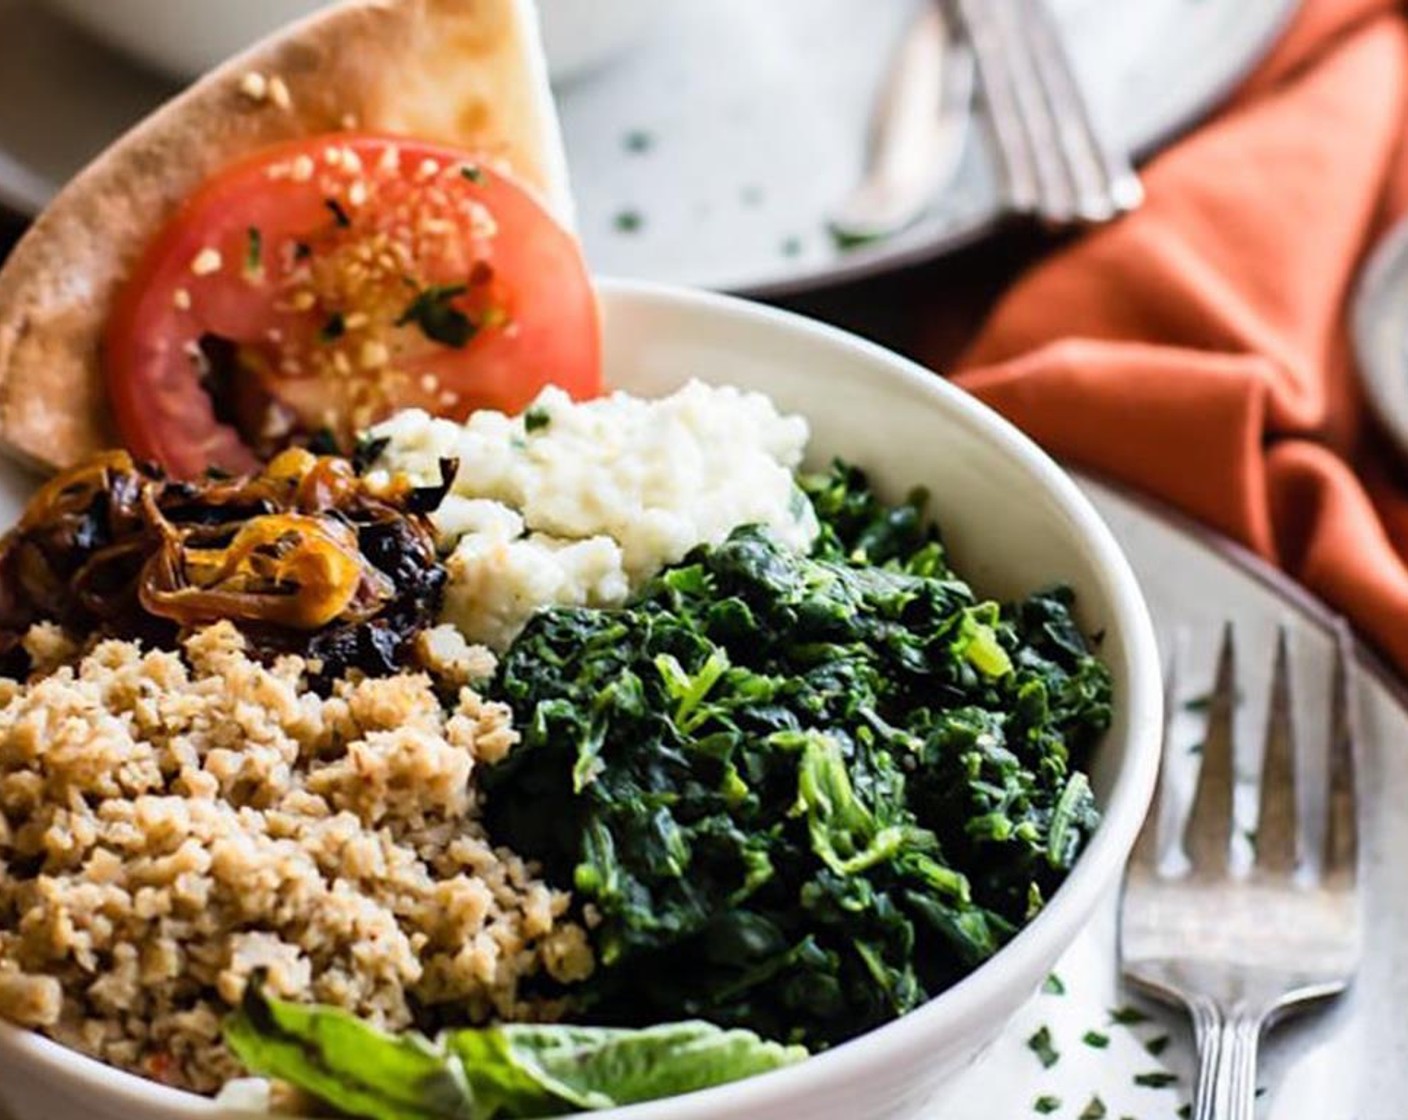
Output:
(390, 159)
(356, 321)
(357, 193)
(278, 93)
(254, 86)
(429, 382)
(303, 168)
(374, 354)
(448, 398)
(304, 301)
(341, 363)
(428, 169)
(207, 261)
(181, 299)
(332, 157)
(351, 160)
(349, 121)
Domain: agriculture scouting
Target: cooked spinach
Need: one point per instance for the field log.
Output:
(514, 1070)
(801, 794)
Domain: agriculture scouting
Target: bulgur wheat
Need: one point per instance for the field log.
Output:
(171, 822)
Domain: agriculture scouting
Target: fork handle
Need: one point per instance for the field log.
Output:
(1227, 1046)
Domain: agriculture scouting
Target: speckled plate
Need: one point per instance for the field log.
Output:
(713, 153)
(1380, 329)
(1348, 1061)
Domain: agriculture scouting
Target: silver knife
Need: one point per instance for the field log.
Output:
(918, 130)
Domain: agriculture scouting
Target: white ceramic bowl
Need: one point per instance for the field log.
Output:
(1013, 522)
(187, 37)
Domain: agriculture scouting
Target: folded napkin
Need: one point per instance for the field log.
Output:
(1198, 350)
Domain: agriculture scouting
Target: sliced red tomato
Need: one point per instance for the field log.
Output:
(317, 287)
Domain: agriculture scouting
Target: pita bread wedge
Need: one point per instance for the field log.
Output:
(463, 72)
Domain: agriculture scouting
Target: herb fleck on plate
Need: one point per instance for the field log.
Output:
(1040, 1045)
(1159, 1079)
(628, 221)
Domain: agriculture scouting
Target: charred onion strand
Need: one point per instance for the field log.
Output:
(304, 556)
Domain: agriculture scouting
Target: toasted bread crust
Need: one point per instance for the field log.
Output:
(463, 72)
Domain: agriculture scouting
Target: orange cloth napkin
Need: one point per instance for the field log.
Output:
(1198, 350)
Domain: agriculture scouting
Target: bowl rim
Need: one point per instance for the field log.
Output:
(971, 999)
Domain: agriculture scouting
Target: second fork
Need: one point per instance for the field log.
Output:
(1239, 950)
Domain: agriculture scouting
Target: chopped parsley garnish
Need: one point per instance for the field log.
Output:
(1185, 1111)
(1054, 986)
(535, 420)
(1096, 1039)
(323, 442)
(334, 328)
(471, 172)
(1159, 1079)
(368, 451)
(302, 250)
(629, 221)
(1128, 1016)
(1046, 1104)
(638, 141)
(1040, 1045)
(1156, 1046)
(1095, 1110)
(339, 215)
(437, 317)
(254, 250)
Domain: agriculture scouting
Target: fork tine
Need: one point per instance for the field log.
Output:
(1104, 181)
(1148, 849)
(1278, 846)
(1058, 200)
(1208, 834)
(1342, 830)
(1073, 132)
(985, 35)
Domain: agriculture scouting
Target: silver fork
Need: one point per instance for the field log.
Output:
(1240, 950)
(1056, 163)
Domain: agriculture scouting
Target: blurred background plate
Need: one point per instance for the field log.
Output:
(711, 153)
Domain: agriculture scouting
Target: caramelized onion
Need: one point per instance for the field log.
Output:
(304, 556)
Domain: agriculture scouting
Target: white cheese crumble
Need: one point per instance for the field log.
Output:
(581, 504)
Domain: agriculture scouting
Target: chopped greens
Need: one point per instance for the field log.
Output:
(254, 251)
(514, 1070)
(437, 317)
(1096, 1040)
(1095, 1110)
(334, 328)
(835, 783)
(535, 420)
(1156, 1046)
(339, 213)
(1040, 1044)
(1045, 1105)
(1128, 1016)
(1156, 1080)
(1054, 986)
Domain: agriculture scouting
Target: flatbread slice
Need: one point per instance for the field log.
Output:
(464, 72)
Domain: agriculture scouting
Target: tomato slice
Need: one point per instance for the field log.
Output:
(316, 287)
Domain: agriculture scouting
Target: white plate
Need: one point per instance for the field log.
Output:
(711, 155)
(1380, 328)
(1346, 1062)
